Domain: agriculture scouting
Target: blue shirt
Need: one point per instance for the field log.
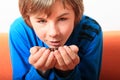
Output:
(87, 35)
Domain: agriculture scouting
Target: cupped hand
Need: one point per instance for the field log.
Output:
(67, 57)
(41, 58)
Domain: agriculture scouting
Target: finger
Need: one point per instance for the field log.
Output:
(75, 58)
(77, 61)
(70, 53)
(34, 49)
(74, 48)
(60, 62)
(67, 59)
(35, 56)
(50, 61)
(42, 60)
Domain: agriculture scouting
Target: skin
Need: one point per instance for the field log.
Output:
(54, 30)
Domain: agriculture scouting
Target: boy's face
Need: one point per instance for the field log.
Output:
(56, 28)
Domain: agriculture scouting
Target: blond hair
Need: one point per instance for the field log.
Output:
(27, 7)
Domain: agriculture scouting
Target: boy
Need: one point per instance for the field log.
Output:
(53, 40)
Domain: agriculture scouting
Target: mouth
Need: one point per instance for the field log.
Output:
(55, 44)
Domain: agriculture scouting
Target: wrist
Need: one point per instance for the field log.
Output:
(62, 73)
(43, 73)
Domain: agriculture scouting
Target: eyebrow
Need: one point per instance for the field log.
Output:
(63, 15)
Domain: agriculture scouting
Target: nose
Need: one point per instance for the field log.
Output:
(53, 30)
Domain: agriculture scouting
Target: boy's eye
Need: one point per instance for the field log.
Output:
(42, 21)
(62, 19)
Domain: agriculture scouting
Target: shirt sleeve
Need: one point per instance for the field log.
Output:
(90, 49)
(91, 61)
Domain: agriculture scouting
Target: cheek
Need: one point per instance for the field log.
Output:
(67, 30)
(36, 27)
(39, 32)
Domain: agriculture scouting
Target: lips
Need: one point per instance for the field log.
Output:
(55, 43)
